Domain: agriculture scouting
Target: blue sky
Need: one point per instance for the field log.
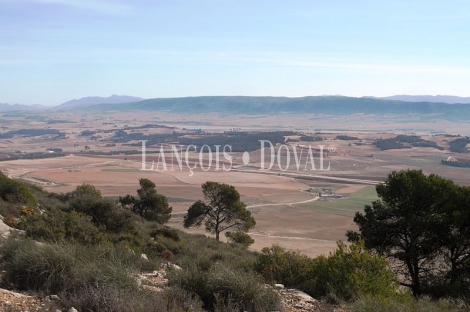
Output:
(52, 51)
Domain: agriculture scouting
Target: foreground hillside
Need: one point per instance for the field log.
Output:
(85, 252)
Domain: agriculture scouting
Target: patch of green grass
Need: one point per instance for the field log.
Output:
(346, 206)
(366, 195)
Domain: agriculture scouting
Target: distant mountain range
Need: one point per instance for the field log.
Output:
(93, 100)
(430, 98)
(4, 107)
(121, 99)
(330, 105)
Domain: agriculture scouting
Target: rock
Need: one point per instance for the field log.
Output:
(296, 300)
(24, 302)
(72, 309)
(5, 230)
(303, 296)
(152, 281)
(54, 297)
(278, 286)
(171, 266)
(144, 257)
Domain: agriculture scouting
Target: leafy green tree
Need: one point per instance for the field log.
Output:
(150, 205)
(409, 224)
(221, 210)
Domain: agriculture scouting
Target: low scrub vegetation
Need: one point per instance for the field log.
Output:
(347, 274)
(88, 250)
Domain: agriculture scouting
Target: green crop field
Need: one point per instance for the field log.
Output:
(347, 206)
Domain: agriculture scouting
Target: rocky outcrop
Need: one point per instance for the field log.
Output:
(13, 301)
(4, 229)
(294, 300)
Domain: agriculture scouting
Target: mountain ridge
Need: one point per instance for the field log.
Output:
(252, 105)
(95, 100)
(450, 99)
(5, 107)
(330, 105)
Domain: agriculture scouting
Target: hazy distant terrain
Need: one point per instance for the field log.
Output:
(424, 108)
(16, 107)
(430, 98)
(93, 100)
(330, 105)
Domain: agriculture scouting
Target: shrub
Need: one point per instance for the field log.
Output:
(66, 267)
(46, 200)
(9, 209)
(165, 232)
(11, 221)
(105, 213)
(27, 212)
(56, 225)
(279, 265)
(14, 191)
(114, 299)
(221, 275)
(348, 273)
(97, 278)
(351, 272)
(240, 238)
(226, 287)
(204, 253)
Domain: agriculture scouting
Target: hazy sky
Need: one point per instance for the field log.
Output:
(52, 51)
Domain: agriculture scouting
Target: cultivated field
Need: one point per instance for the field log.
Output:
(285, 203)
